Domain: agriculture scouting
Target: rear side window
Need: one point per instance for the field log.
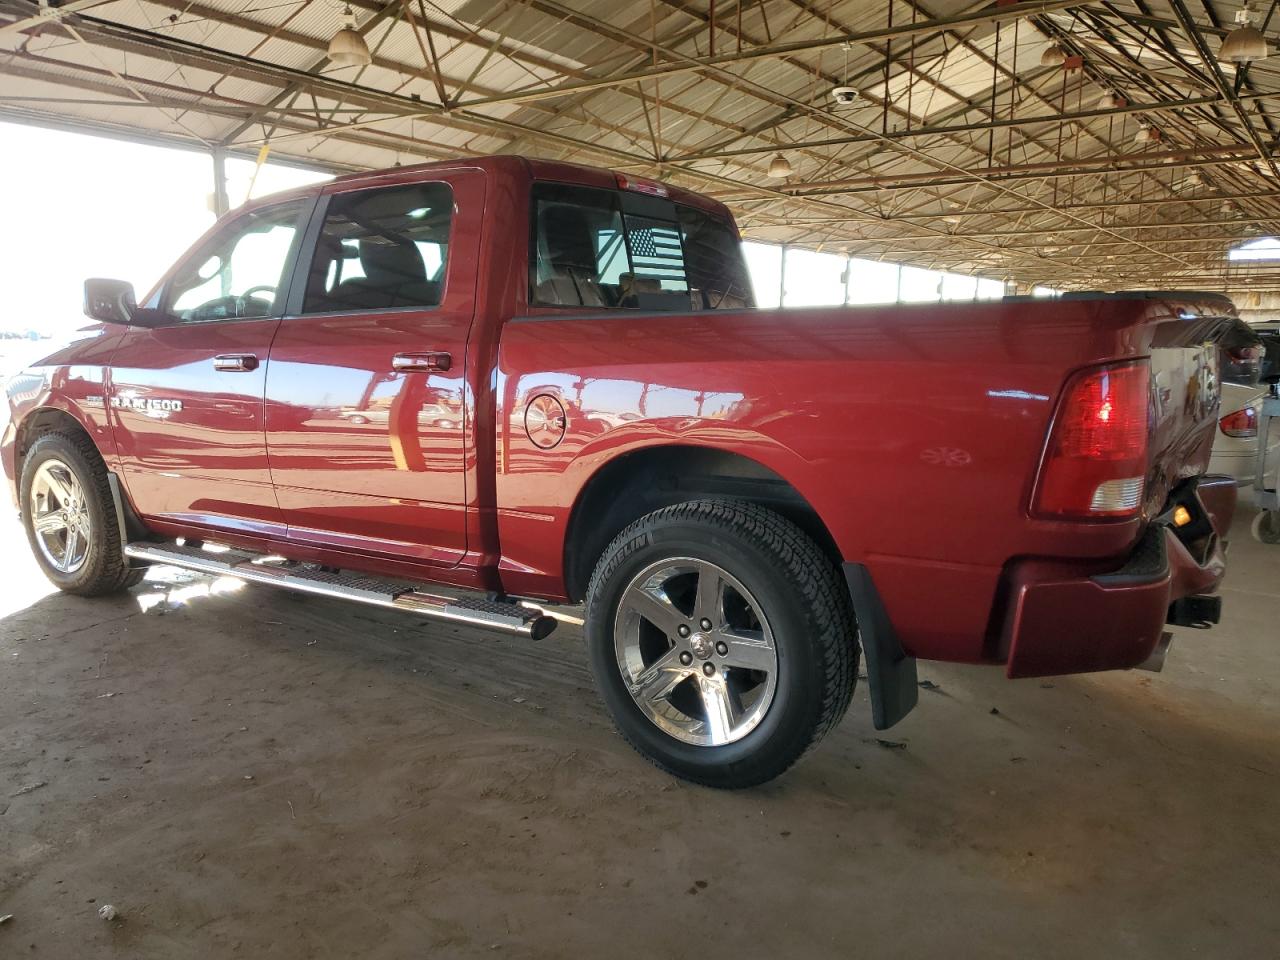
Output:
(616, 249)
(381, 249)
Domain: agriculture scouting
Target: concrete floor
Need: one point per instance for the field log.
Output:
(251, 773)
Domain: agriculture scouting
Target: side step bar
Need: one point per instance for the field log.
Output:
(501, 615)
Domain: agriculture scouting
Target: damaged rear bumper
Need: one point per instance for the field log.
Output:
(1115, 620)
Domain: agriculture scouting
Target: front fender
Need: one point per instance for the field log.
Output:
(48, 397)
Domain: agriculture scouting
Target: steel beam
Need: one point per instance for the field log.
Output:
(774, 51)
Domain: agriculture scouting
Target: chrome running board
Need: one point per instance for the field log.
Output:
(501, 615)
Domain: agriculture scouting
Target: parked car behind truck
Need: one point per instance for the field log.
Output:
(743, 499)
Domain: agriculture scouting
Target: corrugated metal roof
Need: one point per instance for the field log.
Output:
(961, 148)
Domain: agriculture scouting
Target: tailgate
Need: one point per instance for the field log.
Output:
(1185, 391)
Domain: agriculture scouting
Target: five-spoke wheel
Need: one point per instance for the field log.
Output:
(696, 651)
(722, 640)
(70, 515)
(59, 516)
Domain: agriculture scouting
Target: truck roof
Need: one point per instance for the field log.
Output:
(527, 168)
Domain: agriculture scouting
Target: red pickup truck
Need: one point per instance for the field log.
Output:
(527, 381)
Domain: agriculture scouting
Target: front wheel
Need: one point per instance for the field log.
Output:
(70, 517)
(722, 640)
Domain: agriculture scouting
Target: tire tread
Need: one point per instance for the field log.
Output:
(110, 571)
(823, 595)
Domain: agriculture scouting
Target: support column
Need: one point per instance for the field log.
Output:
(220, 202)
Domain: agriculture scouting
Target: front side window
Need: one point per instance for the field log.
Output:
(239, 274)
(616, 249)
(382, 249)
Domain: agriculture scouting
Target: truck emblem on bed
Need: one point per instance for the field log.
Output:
(146, 404)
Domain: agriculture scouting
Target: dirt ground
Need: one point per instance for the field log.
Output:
(252, 773)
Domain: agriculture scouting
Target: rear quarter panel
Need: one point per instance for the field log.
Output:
(914, 431)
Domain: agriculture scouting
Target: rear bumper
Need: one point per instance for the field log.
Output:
(1114, 620)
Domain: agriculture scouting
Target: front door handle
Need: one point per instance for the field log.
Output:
(235, 361)
(430, 361)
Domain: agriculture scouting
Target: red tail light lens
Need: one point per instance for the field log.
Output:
(1095, 464)
(1248, 354)
(1242, 423)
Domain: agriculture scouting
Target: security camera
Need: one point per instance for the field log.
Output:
(844, 95)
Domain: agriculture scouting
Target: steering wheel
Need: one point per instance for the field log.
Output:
(242, 300)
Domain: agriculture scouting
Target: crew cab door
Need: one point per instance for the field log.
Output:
(367, 418)
(186, 397)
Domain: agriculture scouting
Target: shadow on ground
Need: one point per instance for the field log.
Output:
(243, 772)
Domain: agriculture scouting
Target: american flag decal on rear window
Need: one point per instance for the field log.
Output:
(656, 252)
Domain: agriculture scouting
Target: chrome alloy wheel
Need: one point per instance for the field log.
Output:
(695, 651)
(59, 516)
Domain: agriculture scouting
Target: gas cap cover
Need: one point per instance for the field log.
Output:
(545, 421)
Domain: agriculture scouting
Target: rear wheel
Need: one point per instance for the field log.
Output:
(1266, 526)
(70, 517)
(721, 639)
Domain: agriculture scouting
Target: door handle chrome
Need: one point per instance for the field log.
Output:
(431, 360)
(235, 361)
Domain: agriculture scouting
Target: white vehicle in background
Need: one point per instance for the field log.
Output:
(1243, 367)
(1235, 447)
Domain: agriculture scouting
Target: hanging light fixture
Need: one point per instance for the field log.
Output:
(1147, 134)
(1110, 100)
(347, 48)
(1053, 56)
(1245, 43)
(779, 167)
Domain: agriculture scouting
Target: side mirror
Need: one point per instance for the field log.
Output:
(113, 301)
(110, 301)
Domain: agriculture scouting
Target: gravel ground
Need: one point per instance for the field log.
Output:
(252, 773)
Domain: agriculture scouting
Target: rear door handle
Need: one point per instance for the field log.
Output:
(235, 361)
(430, 361)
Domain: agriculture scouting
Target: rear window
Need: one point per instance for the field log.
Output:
(613, 249)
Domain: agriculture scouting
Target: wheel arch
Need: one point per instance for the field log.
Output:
(40, 421)
(638, 482)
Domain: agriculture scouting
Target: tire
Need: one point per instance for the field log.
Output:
(774, 588)
(1266, 526)
(96, 565)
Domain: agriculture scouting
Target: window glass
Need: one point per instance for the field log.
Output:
(764, 262)
(990, 289)
(658, 255)
(713, 260)
(382, 249)
(580, 256)
(956, 286)
(872, 281)
(917, 285)
(813, 279)
(241, 271)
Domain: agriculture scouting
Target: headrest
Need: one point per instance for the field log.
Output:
(567, 233)
(391, 264)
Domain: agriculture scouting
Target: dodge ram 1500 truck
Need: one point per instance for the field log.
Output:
(526, 382)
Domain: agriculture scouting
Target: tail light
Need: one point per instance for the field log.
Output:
(1242, 423)
(1250, 354)
(1095, 464)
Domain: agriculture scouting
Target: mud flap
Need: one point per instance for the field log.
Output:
(891, 674)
